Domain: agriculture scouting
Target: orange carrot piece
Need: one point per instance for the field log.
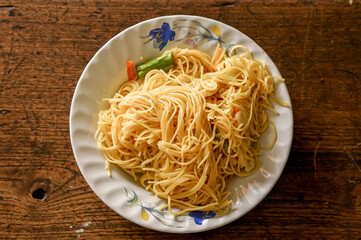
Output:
(130, 70)
(235, 110)
(217, 55)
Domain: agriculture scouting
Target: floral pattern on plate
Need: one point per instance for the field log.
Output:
(163, 216)
(191, 32)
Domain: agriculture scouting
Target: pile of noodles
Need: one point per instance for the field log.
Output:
(184, 133)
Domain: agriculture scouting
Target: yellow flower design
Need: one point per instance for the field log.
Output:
(144, 215)
(217, 31)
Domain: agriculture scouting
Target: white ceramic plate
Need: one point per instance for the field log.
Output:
(106, 72)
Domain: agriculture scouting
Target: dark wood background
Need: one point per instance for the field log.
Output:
(44, 48)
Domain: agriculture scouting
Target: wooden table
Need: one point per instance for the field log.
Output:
(44, 48)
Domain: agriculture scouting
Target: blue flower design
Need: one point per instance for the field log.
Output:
(199, 216)
(161, 36)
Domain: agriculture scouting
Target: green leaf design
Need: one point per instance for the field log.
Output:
(144, 37)
(147, 41)
(133, 199)
(159, 215)
(198, 24)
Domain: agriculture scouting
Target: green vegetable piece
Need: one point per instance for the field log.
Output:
(218, 134)
(164, 62)
(226, 146)
(217, 131)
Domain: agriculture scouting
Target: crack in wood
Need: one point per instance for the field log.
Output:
(10, 8)
(225, 4)
(352, 158)
(7, 7)
(5, 111)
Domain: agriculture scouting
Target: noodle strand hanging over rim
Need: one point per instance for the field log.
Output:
(184, 133)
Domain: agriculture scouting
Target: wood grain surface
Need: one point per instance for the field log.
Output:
(44, 47)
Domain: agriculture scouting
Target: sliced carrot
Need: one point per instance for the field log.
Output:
(130, 69)
(217, 56)
(235, 110)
